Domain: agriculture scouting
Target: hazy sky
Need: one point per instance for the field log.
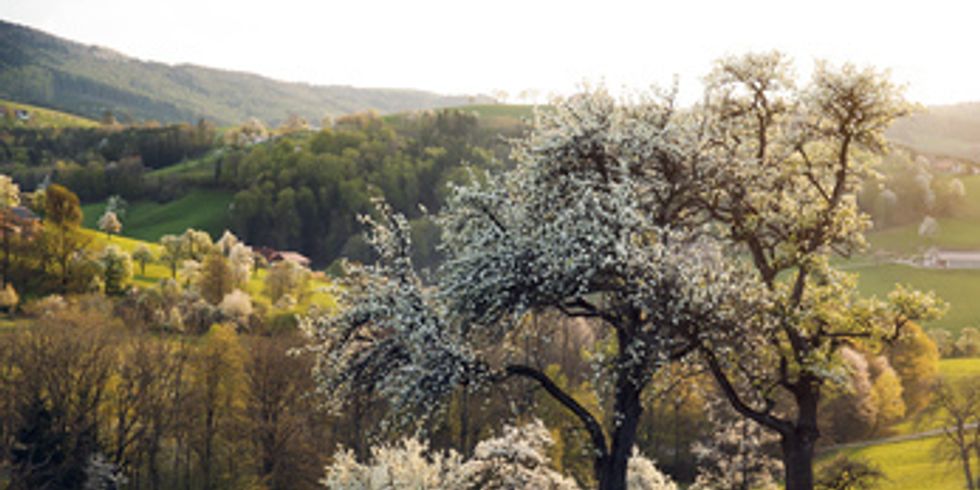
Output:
(482, 46)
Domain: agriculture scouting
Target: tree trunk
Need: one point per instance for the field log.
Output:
(208, 443)
(627, 417)
(799, 443)
(798, 462)
(967, 471)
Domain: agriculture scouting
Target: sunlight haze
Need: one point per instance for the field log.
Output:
(515, 46)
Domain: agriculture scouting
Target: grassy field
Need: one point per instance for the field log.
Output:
(197, 167)
(952, 370)
(155, 272)
(43, 117)
(959, 288)
(501, 117)
(918, 464)
(911, 465)
(146, 220)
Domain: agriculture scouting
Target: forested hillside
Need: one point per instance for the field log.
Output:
(38, 68)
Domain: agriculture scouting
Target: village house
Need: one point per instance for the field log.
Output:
(951, 259)
(272, 255)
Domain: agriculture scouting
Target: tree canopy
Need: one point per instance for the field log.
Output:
(678, 234)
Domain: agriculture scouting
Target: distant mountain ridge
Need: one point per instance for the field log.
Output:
(42, 69)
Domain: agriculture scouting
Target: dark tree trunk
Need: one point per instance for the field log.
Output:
(797, 463)
(967, 472)
(628, 409)
(208, 443)
(798, 445)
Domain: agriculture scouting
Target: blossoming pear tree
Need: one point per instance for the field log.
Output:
(597, 220)
(702, 235)
(781, 174)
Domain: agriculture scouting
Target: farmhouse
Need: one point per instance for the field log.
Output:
(952, 259)
(272, 255)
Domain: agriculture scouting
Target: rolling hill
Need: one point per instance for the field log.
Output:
(38, 117)
(42, 69)
(946, 131)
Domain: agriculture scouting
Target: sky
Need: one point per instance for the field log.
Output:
(527, 47)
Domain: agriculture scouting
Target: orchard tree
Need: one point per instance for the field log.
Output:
(110, 224)
(116, 205)
(286, 277)
(172, 253)
(196, 244)
(781, 174)
(679, 234)
(117, 269)
(142, 254)
(958, 406)
(597, 221)
(916, 360)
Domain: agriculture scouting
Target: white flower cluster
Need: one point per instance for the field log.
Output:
(390, 336)
(734, 454)
(515, 460)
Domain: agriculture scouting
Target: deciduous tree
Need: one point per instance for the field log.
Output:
(215, 279)
(784, 164)
(142, 254)
(110, 224)
(595, 221)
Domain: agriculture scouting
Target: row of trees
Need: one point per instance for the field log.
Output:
(223, 412)
(156, 146)
(100, 162)
(702, 236)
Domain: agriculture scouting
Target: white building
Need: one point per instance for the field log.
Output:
(951, 259)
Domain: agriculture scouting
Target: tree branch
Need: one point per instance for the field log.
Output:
(591, 424)
(762, 417)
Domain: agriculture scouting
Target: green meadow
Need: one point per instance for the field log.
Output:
(147, 220)
(41, 117)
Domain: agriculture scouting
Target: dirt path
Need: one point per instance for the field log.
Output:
(888, 440)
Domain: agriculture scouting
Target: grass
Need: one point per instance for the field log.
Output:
(147, 220)
(41, 117)
(493, 117)
(197, 167)
(959, 288)
(918, 464)
(155, 272)
(953, 370)
(910, 465)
